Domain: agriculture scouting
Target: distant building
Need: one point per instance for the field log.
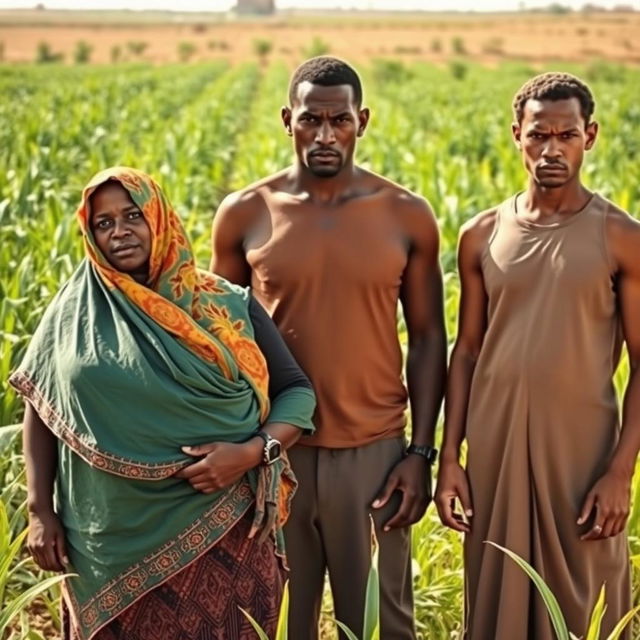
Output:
(255, 6)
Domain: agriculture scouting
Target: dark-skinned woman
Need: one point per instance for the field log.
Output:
(159, 402)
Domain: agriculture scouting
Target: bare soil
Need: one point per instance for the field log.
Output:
(535, 38)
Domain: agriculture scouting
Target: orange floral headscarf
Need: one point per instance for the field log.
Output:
(204, 311)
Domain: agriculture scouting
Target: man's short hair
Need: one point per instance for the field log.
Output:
(554, 86)
(327, 72)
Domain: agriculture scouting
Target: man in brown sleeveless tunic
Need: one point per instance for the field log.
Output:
(548, 279)
(329, 249)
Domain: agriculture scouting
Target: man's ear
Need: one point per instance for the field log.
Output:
(591, 133)
(363, 120)
(516, 133)
(285, 114)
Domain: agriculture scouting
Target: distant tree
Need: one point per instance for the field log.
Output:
(116, 53)
(558, 9)
(458, 46)
(137, 47)
(44, 54)
(436, 45)
(221, 45)
(458, 69)
(1, 51)
(186, 50)
(262, 48)
(82, 52)
(317, 47)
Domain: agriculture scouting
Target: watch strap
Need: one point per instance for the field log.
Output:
(429, 453)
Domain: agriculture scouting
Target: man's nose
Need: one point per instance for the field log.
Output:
(325, 134)
(552, 148)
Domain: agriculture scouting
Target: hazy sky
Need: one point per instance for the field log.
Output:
(222, 5)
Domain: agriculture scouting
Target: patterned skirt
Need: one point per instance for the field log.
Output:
(201, 602)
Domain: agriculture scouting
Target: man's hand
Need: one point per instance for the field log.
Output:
(46, 542)
(453, 483)
(411, 476)
(221, 464)
(609, 499)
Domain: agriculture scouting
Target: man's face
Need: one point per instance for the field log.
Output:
(553, 137)
(324, 123)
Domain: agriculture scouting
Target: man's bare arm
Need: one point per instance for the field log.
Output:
(230, 226)
(610, 496)
(472, 323)
(421, 297)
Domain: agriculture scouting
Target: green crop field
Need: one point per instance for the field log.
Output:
(204, 130)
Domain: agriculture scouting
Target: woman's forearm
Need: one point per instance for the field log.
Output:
(41, 459)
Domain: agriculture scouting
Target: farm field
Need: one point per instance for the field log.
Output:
(206, 128)
(168, 37)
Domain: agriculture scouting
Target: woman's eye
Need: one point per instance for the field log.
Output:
(135, 214)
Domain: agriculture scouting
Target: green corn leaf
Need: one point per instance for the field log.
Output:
(282, 632)
(622, 623)
(557, 619)
(595, 623)
(347, 632)
(371, 626)
(258, 629)
(14, 607)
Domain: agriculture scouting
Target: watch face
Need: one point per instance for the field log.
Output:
(272, 451)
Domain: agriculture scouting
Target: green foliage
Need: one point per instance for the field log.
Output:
(44, 54)
(186, 50)
(458, 46)
(262, 48)
(317, 47)
(218, 45)
(555, 613)
(82, 52)
(458, 69)
(137, 47)
(205, 129)
(115, 53)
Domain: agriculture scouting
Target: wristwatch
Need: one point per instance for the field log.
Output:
(430, 454)
(272, 448)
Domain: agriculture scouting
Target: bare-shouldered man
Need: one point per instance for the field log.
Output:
(329, 250)
(548, 279)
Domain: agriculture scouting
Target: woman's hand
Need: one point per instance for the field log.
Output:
(46, 542)
(452, 484)
(221, 464)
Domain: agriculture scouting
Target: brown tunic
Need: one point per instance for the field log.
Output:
(542, 425)
(331, 283)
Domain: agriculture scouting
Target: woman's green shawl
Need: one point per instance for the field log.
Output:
(123, 396)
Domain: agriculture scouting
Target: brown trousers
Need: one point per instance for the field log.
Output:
(329, 528)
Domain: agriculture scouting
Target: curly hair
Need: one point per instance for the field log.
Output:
(554, 86)
(327, 72)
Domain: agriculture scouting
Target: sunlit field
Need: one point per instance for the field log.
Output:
(204, 129)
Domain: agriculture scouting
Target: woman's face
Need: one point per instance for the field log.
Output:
(120, 230)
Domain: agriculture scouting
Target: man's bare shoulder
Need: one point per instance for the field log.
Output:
(476, 232)
(253, 195)
(241, 208)
(623, 238)
(621, 223)
(402, 197)
(480, 226)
